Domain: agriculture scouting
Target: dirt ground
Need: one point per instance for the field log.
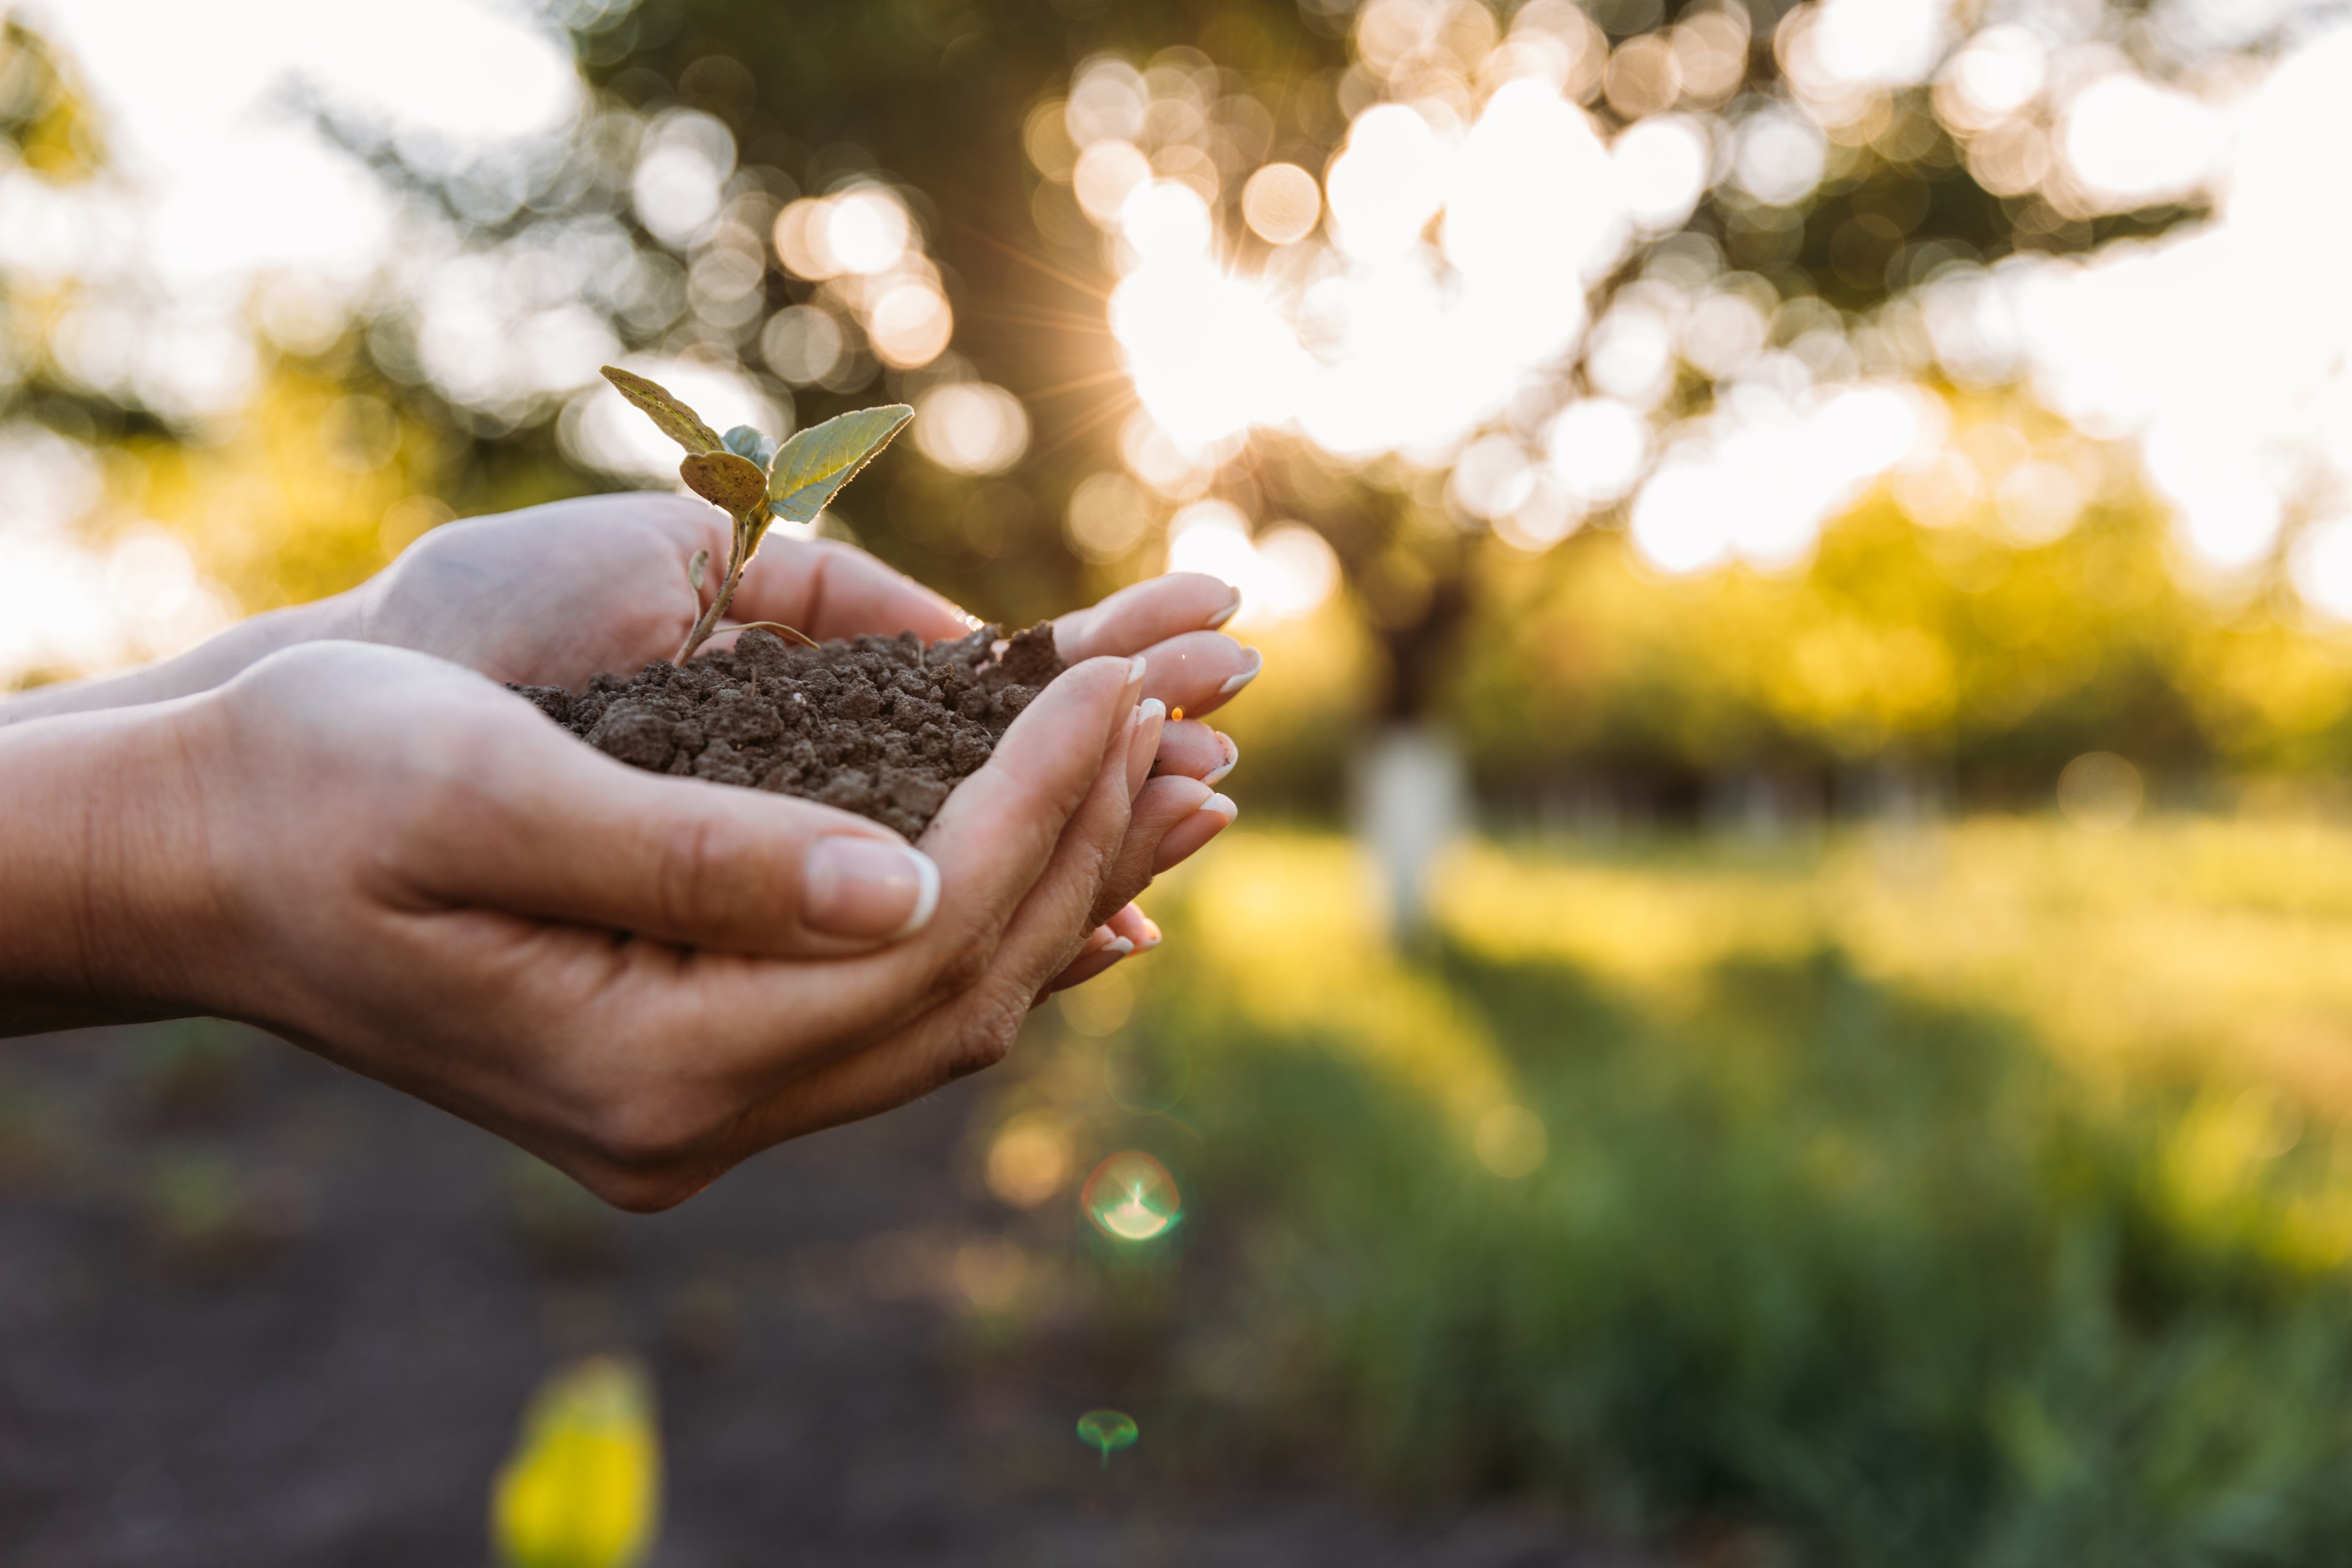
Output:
(256, 1311)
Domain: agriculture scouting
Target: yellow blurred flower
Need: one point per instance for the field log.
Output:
(583, 1487)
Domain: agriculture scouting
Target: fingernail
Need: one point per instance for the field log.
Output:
(1152, 936)
(1228, 613)
(1143, 741)
(1118, 947)
(1223, 807)
(866, 889)
(1233, 756)
(1134, 676)
(1256, 663)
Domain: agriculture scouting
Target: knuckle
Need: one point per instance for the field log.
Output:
(650, 1135)
(702, 875)
(986, 1038)
(640, 1192)
(964, 963)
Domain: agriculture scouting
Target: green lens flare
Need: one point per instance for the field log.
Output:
(1132, 1197)
(1105, 1430)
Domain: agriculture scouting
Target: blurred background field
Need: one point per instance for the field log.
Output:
(1789, 1009)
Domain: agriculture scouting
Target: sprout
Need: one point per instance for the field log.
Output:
(755, 480)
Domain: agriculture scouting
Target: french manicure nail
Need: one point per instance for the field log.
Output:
(867, 888)
(1223, 807)
(1256, 663)
(1118, 947)
(1143, 741)
(1233, 758)
(1227, 614)
(1134, 676)
(1152, 935)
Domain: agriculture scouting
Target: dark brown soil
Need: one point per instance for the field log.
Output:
(881, 726)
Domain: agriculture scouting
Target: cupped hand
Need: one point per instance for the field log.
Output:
(643, 979)
(555, 595)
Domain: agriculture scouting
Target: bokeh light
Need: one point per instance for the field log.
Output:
(1424, 314)
(1029, 1161)
(1110, 514)
(599, 430)
(1510, 1141)
(1100, 1007)
(1108, 1431)
(972, 427)
(2100, 791)
(1282, 204)
(1283, 573)
(1132, 1197)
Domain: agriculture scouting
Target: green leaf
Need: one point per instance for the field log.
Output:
(746, 442)
(810, 468)
(679, 423)
(731, 483)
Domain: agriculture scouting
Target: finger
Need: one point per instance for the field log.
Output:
(1130, 926)
(576, 836)
(999, 834)
(1191, 750)
(1134, 619)
(1189, 836)
(975, 1028)
(761, 1026)
(1143, 737)
(1199, 671)
(1103, 952)
(1164, 805)
(829, 589)
(1139, 927)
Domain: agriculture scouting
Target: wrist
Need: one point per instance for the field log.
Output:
(200, 669)
(109, 910)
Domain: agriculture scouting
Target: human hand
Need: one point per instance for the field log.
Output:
(555, 595)
(643, 979)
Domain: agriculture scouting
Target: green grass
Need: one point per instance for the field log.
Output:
(1848, 1254)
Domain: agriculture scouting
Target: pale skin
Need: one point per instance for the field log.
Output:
(333, 823)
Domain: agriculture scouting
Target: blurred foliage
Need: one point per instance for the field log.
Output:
(583, 1487)
(1957, 651)
(1809, 1230)
(558, 1222)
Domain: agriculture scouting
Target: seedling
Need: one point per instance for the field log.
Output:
(755, 480)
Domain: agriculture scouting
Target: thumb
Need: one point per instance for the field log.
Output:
(569, 834)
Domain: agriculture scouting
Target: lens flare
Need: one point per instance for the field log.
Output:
(1107, 1430)
(1132, 1197)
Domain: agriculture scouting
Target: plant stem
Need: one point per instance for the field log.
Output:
(708, 625)
(739, 556)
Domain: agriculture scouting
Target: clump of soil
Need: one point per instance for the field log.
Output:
(881, 726)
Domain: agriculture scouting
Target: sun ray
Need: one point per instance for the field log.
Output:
(1046, 268)
(1077, 384)
(1087, 426)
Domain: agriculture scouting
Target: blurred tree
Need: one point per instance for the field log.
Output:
(1821, 229)
(933, 95)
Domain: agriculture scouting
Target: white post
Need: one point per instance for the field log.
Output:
(1410, 805)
